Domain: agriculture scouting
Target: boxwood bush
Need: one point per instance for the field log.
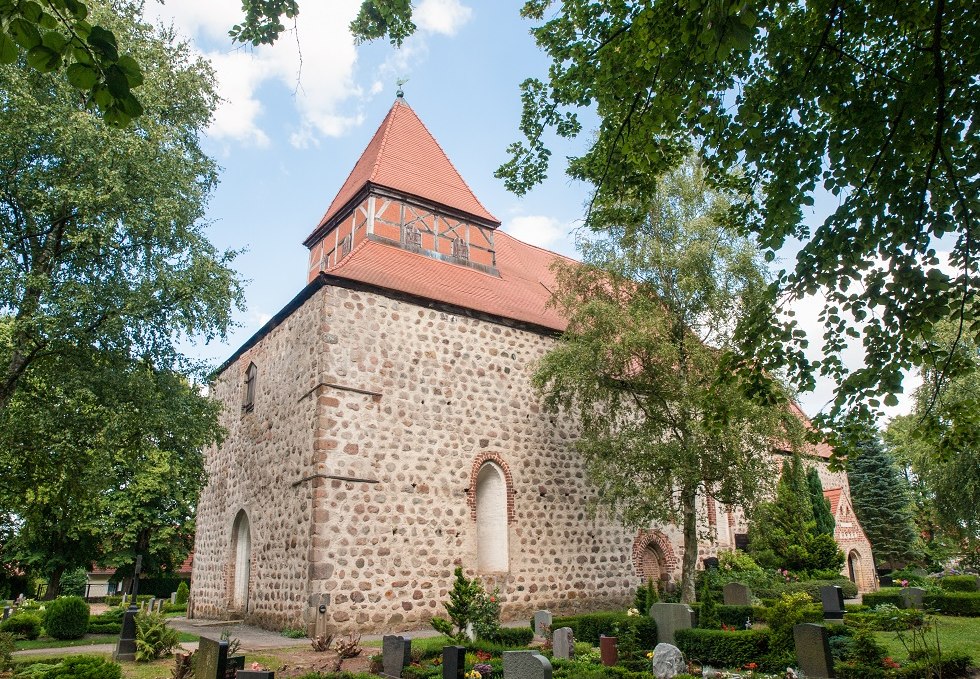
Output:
(76, 667)
(25, 625)
(66, 618)
(965, 604)
(590, 626)
(959, 583)
(885, 595)
(723, 649)
(515, 637)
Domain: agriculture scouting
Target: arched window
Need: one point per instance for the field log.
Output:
(492, 549)
(241, 545)
(248, 402)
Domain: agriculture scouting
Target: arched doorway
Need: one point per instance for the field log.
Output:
(241, 538)
(492, 549)
(652, 564)
(854, 571)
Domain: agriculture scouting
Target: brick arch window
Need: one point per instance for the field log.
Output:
(653, 556)
(491, 500)
(248, 397)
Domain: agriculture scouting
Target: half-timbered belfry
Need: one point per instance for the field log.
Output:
(382, 427)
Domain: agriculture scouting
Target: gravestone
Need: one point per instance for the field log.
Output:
(453, 662)
(912, 597)
(7, 610)
(173, 597)
(526, 665)
(670, 618)
(235, 663)
(668, 661)
(542, 623)
(255, 674)
(211, 659)
(396, 654)
(126, 646)
(710, 562)
(563, 643)
(737, 594)
(886, 581)
(832, 598)
(813, 651)
(608, 650)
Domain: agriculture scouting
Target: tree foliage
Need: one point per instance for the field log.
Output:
(883, 503)
(104, 267)
(822, 515)
(783, 533)
(650, 311)
(872, 103)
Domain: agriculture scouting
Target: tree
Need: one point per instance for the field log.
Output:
(873, 103)
(821, 506)
(102, 233)
(783, 533)
(649, 313)
(882, 503)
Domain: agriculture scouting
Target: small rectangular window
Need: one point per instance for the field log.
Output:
(248, 402)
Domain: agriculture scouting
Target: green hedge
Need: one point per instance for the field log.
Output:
(590, 626)
(735, 616)
(952, 665)
(513, 636)
(26, 625)
(965, 604)
(959, 583)
(885, 595)
(723, 649)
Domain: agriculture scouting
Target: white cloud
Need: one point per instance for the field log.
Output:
(539, 230)
(441, 16)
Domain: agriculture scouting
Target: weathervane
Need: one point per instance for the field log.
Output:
(400, 93)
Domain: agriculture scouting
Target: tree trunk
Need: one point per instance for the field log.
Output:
(689, 513)
(54, 584)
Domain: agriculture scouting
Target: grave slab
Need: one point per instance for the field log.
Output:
(526, 665)
(453, 662)
(832, 598)
(670, 618)
(912, 597)
(542, 623)
(563, 643)
(737, 594)
(211, 659)
(396, 654)
(813, 651)
(608, 650)
(668, 661)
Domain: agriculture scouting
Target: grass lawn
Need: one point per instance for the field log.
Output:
(87, 640)
(955, 635)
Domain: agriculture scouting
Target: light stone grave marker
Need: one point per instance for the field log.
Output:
(526, 665)
(670, 618)
(396, 654)
(737, 594)
(813, 651)
(832, 598)
(668, 661)
(453, 662)
(542, 623)
(173, 597)
(912, 597)
(563, 643)
(211, 659)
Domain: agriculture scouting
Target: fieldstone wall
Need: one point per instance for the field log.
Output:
(357, 467)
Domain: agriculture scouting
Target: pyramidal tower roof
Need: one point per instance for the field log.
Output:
(404, 156)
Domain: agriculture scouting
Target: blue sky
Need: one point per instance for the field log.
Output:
(296, 116)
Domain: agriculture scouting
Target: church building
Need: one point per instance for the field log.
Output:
(382, 428)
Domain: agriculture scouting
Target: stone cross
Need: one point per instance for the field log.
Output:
(832, 598)
(211, 659)
(453, 662)
(813, 651)
(670, 618)
(542, 620)
(396, 654)
(912, 597)
(608, 650)
(526, 665)
(737, 594)
(563, 643)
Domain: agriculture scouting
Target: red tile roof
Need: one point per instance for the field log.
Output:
(521, 292)
(404, 156)
(833, 496)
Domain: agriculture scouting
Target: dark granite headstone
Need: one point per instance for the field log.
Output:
(211, 659)
(886, 581)
(126, 646)
(396, 654)
(737, 594)
(912, 597)
(832, 598)
(670, 618)
(7, 610)
(542, 623)
(235, 663)
(813, 651)
(710, 562)
(563, 643)
(526, 665)
(255, 674)
(453, 662)
(608, 651)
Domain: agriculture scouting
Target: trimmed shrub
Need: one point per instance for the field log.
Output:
(513, 636)
(812, 587)
(959, 583)
(724, 649)
(6, 650)
(174, 608)
(885, 595)
(66, 618)
(81, 667)
(24, 625)
(590, 626)
(109, 622)
(113, 600)
(183, 592)
(965, 604)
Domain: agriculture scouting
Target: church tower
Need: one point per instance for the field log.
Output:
(405, 192)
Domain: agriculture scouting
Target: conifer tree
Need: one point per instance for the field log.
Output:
(821, 506)
(882, 502)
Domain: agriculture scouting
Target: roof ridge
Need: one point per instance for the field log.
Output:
(572, 260)
(390, 120)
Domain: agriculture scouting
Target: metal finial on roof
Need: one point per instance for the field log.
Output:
(400, 93)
